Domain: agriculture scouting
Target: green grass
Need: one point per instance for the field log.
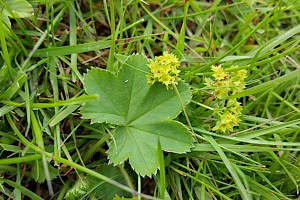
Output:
(49, 152)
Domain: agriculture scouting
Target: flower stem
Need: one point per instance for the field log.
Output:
(205, 106)
(183, 108)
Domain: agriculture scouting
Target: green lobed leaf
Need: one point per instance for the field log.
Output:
(38, 171)
(104, 190)
(144, 114)
(6, 23)
(20, 8)
(249, 2)
(139, 144)
(79, 189)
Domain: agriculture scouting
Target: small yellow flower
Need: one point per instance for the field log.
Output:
(226, 117)
(166, 79)
(220, 93)
(164, 69)
(208, 82)
(174, 71)
(219, 73)
(237, 87)
(236, 109)
(230, 118)
(241, 75)
(223, 85)
(150, 79)
(223, 127)
(228, 82)
(231, 102)
(220, 84)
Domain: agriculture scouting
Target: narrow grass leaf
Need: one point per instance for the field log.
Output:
(63, 114)
(217, 191)
(72, 164)
(9, 161)
(4, 48)
(272, 129)
(99, 176)
(162, 171)
(23, 190)
(111, 57)
(181, 38)
(43, 37)
(266, 121)
(169, 31)
(232, 50)
(12, 148)
(278, 40)
(14, 87)
(267, 85)
(37, 131)
(4, 109)
(237, 148)
(250, 141)
(73, 101)
(86, 47)
(261, 190)
(286, 102)
(286, 170)
(73, 35)
(40, 142)
(52, 66)
(21, 137)
(240, 186)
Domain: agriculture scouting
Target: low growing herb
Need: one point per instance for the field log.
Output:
(143, 114)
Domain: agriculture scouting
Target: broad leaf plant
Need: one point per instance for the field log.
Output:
(142, 113)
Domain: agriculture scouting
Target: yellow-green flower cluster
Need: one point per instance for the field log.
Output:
(229, 116)
(226, 83)
(164, 69)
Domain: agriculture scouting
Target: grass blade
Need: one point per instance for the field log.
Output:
(244, 193)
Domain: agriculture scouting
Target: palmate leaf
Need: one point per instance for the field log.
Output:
(142, 112)
(104, 190)
(38, 172)
(21, 8)
(14, 9)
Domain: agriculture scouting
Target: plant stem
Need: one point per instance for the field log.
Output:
(205, 106)
(183, 108)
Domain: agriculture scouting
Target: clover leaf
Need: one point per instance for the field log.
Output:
(143, 114)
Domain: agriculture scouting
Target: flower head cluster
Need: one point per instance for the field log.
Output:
(226, 83)
(228, 117)
(164, 69)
